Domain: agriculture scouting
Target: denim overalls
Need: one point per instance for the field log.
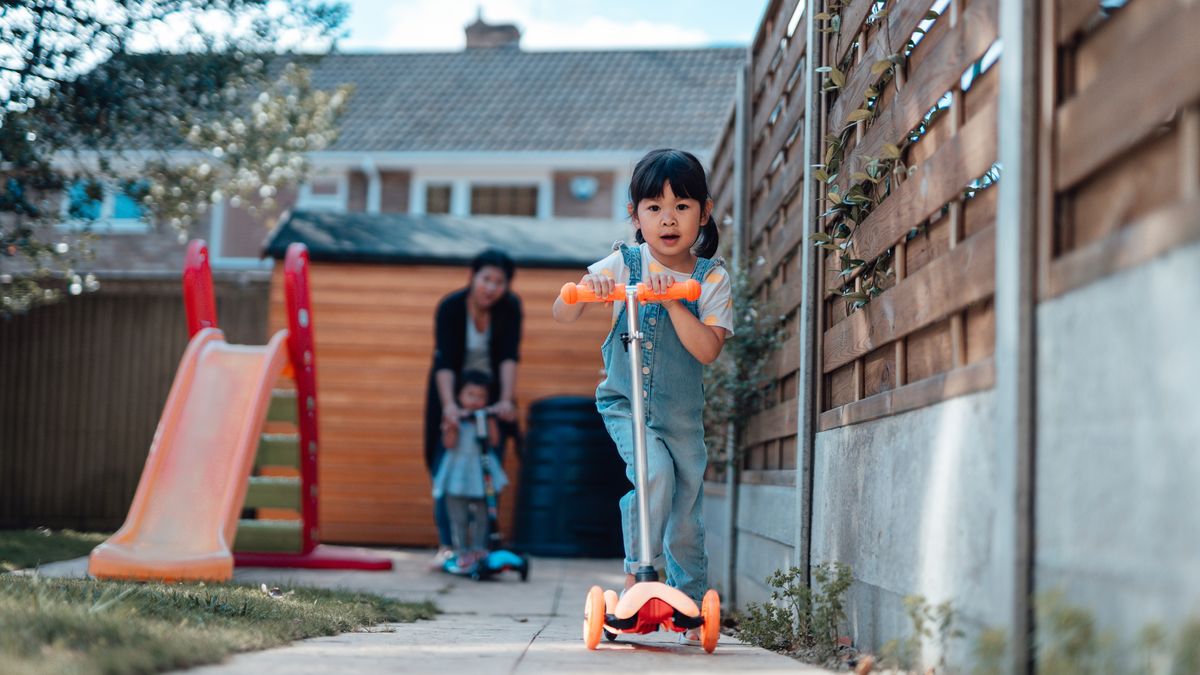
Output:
(674, 394)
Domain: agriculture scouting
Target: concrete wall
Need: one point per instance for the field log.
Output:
(1118, 445)
(716, 536)
(913, 503)
(766, 539)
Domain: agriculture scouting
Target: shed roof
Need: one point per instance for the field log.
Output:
(513, 100)
(445, 240)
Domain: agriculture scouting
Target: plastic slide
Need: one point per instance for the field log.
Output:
(184, 515)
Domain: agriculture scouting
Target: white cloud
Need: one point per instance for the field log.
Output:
(437, 25)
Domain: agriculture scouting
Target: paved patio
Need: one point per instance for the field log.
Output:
(502, 626)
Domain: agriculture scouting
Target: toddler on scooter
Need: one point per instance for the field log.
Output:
(460, 476)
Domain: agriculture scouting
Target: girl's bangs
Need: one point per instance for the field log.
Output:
(670, 167)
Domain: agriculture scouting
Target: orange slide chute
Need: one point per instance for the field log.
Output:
(184, 515)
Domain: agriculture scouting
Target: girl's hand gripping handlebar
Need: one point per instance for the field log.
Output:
(688, 290)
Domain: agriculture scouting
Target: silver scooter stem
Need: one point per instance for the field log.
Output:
(645, 564)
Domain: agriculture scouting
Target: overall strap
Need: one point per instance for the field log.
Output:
(633, 260)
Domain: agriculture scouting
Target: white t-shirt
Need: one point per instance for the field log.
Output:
(716, 291)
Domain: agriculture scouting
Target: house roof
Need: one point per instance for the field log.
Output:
(445, 240)
(513, 100)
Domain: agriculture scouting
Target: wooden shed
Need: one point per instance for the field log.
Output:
(376, 282)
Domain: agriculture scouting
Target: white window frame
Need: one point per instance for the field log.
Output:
(462, 179)
(307, 201)
(105, 223)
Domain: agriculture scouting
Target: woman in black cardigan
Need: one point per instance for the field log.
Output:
(478, 328)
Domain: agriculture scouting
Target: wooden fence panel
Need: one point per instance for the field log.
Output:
(84, 382)
(772, 231)
(908, 142)
(1119, 138)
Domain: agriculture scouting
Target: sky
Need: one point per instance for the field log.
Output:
(437, 25)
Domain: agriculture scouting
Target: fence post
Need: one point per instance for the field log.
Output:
(805, 381)
(304, 369)
(1016, 234)
(198, 288)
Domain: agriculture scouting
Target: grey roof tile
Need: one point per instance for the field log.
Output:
(511, 100)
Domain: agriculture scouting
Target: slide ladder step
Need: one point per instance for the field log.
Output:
(283, 406)
(274, 536)
(278, 450)
(273, 492)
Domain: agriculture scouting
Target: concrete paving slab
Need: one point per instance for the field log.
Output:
(499, 626)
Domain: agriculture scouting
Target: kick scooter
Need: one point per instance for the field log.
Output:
(649, 604)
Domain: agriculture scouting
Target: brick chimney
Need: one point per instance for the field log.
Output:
(482, 35)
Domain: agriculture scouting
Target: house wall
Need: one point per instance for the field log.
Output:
(567, 206)
(373, 326)
(1118, 443)
(242, 233)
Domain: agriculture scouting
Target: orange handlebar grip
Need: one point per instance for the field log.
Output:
(688, 290)
(573, 293)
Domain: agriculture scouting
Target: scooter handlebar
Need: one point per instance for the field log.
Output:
(688, 290)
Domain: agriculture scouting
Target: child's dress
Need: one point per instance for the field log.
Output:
(460, 479)
(673, 389)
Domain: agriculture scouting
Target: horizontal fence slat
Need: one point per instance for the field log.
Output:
(961, 277)
(781, 132)
(1115, 36)
(937, 181)
(853, 18)
(941, 70)
(978, 376)
(786, 182)
(768, 49)
(1159, 232)
(778, 421)
(1071, 16)
(1136, 93)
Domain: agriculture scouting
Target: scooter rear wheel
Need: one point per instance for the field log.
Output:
(711, 611)
(593, 617)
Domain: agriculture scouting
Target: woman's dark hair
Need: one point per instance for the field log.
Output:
(686, 175)
(494, 257)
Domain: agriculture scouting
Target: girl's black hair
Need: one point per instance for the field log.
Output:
(476, 377)
(686, 175)
(494, 257)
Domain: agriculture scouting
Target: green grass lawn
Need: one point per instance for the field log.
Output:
(82, 626)
(29, 548)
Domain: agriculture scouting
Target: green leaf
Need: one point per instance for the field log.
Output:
(823, 16)
(891, 151)
(820, 237)
(834, 197)
(821, 175)
(856, 262)
(858, 116)
(858, 296)
(823, 69)
(879, 66)
(837, 77)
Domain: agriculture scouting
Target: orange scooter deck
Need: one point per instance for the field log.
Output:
(184, 514)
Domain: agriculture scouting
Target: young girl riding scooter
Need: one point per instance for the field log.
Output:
(671, 208)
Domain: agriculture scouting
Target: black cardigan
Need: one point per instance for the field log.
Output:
(450, 351)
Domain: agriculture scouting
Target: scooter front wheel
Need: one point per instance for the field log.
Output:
(593, 617)
(711, 611)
